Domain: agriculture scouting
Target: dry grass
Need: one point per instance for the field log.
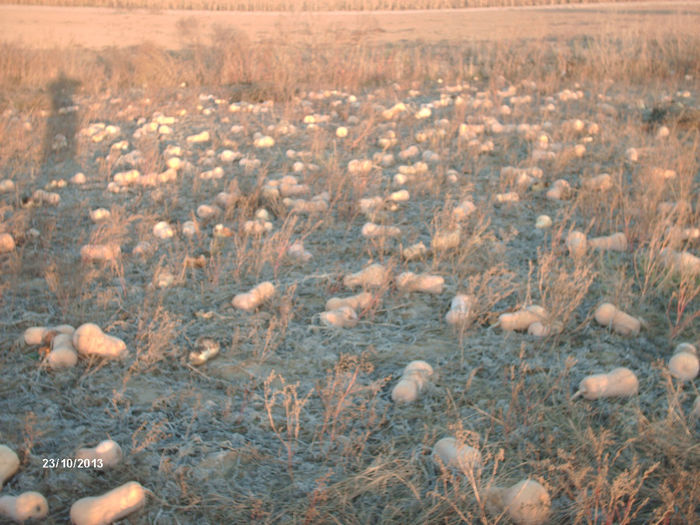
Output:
(293, 422)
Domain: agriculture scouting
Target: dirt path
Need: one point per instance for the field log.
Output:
(43, 27)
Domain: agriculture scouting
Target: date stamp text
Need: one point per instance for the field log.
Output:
(71, 463)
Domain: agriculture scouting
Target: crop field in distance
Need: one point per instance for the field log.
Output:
(301, 5)
(315, 258)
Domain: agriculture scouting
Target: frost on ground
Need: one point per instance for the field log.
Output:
(271, 268)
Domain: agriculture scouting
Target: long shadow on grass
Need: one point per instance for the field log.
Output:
(59, 143)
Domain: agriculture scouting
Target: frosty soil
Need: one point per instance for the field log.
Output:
(276, 271)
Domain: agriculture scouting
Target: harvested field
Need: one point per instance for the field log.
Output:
(96, 27)
(317, 256)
